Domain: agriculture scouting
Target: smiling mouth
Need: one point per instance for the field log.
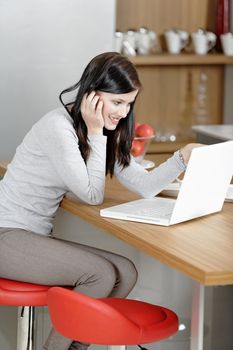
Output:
(114, 120)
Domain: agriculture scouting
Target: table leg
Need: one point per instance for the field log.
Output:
(197, 322)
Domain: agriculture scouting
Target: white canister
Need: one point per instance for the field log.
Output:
(118, 41)
(176, 40)
(203, 41)
(146, 41)
(227, 43)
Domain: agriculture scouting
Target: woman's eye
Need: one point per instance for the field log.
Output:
(116, 103)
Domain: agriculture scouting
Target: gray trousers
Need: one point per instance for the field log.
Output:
(29, 257)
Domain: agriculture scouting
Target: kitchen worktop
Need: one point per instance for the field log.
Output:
(213, 133)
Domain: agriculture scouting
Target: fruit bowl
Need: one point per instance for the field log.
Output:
(144, 133)
(139, 148)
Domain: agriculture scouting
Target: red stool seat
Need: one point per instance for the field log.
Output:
(17, 293)
(111, 321)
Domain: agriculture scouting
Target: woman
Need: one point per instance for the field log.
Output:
(72, 149)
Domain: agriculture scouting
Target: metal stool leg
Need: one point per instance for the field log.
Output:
(116, 347)
(26, 328)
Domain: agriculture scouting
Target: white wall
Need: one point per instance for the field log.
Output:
(44, 48)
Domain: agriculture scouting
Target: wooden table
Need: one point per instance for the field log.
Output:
(3, 166)
(201, 249)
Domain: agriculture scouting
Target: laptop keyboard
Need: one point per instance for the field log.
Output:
(163, 209)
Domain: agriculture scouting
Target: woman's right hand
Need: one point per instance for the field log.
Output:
(91, 109)
(187, 150)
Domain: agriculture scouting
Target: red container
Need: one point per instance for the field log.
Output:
(223, 20)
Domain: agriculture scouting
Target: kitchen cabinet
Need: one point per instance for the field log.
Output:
(171, 83)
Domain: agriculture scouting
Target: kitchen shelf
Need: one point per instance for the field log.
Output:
(171, 82)
(165, 59)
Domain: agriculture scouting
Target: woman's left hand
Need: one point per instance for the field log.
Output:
(187, 150)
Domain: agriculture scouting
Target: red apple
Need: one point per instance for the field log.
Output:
(137, 148)
(144, 130)
(136, 125)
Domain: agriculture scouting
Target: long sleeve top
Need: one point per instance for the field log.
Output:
(48, 164)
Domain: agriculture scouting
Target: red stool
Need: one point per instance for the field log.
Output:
(109, 321)
(26, 295)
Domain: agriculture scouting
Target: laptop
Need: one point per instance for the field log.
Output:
(173, 189)
(202, 191)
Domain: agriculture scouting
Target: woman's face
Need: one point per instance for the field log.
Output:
(115, 107)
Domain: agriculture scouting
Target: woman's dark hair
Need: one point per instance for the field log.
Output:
(114, 73)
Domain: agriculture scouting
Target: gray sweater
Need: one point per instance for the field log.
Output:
(48, 164)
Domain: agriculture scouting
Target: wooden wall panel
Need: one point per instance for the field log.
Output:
(169, 96)
(166, 101)
(160, 15)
